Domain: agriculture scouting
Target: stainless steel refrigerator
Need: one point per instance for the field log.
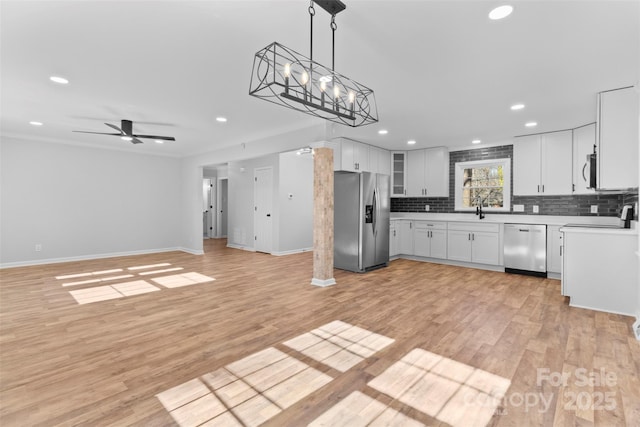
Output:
(361, 221)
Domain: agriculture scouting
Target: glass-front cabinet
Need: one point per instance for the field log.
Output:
(398, 173)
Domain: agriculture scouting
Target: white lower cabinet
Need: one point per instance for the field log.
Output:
(406, 237)
(430, 239)
(600, 270)
(394, 238)
(471, 242)
(554, 249)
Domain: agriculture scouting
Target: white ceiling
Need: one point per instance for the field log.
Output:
(442, 72)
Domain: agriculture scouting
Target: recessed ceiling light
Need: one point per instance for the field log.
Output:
(411, 142)
(58, 79)
(517, 106)
(383, 131)
(531, 124)
(35, 123)
(127, 138)
(476, 141)
(159, 141)
(221, 119)
(500, 12)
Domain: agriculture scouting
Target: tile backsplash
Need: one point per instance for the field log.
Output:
(578, 205)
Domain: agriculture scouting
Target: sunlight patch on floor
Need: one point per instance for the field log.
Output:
(136, 287)
(339, 344)
(247, 392)
(358, 409)
(185, 279)
(450, 391)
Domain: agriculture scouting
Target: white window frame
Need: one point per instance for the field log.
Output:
(506, 189)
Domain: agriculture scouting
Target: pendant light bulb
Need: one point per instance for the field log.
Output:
(323, 85)
(336, 91)
(304, 78)
(352, 97)
(287, 69)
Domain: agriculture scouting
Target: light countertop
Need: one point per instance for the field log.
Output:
(509, 219)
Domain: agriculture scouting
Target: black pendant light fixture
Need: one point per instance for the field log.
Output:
(286, 77)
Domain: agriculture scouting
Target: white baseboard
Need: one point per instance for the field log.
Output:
(95, 256)
(599, 309)
(291, 252)
(323, 283)
(191, 251)
(244, 248)
(451, 262)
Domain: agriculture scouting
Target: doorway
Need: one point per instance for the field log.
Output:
(262, 218)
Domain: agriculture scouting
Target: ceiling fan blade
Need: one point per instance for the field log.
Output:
(136, 141)
(97, 133)
(163, 138)
(116, 128)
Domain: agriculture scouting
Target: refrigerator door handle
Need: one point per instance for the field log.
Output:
(375, 209)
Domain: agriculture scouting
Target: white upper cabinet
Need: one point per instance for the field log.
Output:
(618, 139)
(398, 173)
(584, 139)
(379, 161)
(542, 164)
(428, 172)
(354, 156)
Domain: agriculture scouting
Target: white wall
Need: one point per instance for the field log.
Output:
(295, 225)
(80, 202)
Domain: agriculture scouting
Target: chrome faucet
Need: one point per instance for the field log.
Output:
(479, 207)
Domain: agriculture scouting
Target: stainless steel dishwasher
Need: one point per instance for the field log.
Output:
(525, 249)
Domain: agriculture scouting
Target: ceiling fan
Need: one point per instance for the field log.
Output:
(125, 131)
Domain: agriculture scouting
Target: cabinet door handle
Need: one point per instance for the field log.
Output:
(538, 188)
(469, 236)
(410, 225)
(543, 188)
(583, 168)
(560, 250)
(473, 237)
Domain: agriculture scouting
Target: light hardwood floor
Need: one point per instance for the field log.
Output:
(121, 360)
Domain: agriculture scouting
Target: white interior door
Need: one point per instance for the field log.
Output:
(262, 216)
(223, 194)
(207, 206)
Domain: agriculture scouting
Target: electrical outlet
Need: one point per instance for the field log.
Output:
(594, 208)
(636, 329)
(426, 208)
(38, 247)
(518, 208)
(536, 209)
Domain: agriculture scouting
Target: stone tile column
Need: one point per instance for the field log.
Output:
(323, 217)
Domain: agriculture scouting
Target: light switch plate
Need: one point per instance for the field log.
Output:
(518, 208)
(426, 208)
(536, 209)
(594, 208)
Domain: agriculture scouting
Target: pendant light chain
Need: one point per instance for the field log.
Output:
(312, 12)
(334, 27)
